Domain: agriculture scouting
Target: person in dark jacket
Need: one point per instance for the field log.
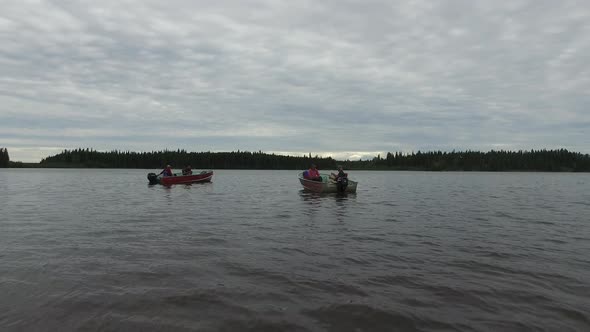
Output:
(340, 174)
(187, 170)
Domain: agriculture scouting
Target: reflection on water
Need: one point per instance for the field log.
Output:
(342, 200)
(251, 251)
(337, 203)
(307, 195)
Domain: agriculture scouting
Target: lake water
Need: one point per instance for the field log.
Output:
(101, 250)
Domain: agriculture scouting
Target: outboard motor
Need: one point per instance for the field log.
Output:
(153, 178)
(342, 184)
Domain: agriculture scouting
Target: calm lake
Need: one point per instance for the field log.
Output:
(101, 250)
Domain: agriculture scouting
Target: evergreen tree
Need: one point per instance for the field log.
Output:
(4, 158)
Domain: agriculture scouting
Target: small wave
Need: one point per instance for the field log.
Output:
(449, 294)
(396, 280)
(569, 313)
(358, 261)
(332, 287)
(499, 270)
(496, 254)
(359, 317)
(259, 325)
(557, 241)
(366, 238)
(203, 299)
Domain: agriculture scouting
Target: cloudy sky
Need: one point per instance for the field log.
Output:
(334, 77)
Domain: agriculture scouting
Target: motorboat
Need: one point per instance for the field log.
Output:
(328, 185)
(204, 176)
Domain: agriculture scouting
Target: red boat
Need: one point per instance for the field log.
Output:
(204, 176)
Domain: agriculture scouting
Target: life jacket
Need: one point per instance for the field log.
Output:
(313, 173)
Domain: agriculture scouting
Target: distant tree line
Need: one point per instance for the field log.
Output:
(180, 158)
(4, 158)
(533, 160)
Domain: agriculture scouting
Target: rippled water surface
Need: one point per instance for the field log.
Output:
(101, 250)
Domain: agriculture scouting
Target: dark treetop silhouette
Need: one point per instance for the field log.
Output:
(534, 160)
(4, 158)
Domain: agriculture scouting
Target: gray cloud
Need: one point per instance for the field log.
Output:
(345, 78)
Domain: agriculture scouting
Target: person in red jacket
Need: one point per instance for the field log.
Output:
(166, 171)
(313, 174)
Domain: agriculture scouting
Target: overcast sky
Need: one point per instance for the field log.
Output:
(333, 77)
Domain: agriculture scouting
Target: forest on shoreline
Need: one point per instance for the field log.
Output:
(534, 160)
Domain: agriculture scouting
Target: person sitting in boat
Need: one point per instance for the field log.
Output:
(340, 174)
(166, 171)
(313, 174)
(187, 170)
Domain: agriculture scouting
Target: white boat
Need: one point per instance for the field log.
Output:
(327, 185)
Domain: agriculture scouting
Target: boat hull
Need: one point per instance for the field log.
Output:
(205, 176)
(326, 186)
